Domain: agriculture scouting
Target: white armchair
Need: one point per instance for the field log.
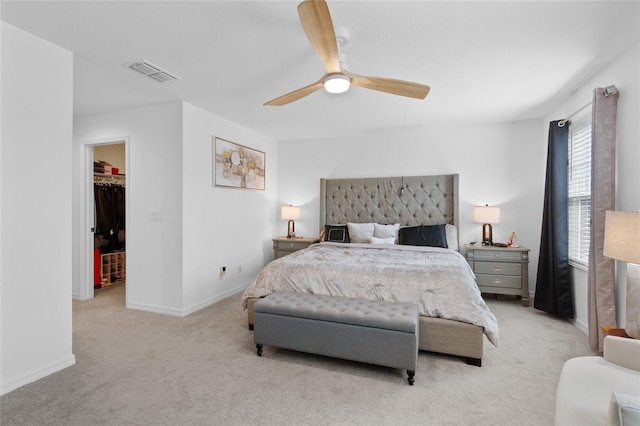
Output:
(595, 390)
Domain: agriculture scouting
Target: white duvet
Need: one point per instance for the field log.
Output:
(439, 281)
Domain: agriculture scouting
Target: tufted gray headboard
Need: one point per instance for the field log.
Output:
(425, 200)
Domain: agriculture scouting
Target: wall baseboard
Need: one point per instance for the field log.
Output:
(35, 374)
(215, 299)
(191, 309)
(156, 309)
(580, 326)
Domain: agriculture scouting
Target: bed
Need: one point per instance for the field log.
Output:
(453, 317)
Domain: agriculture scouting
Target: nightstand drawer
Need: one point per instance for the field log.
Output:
(290, 245)
(497, 268)
(504, 281)
(505, 255)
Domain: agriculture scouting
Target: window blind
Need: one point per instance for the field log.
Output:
(579, 192)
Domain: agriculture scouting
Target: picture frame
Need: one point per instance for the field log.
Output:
(237, 166)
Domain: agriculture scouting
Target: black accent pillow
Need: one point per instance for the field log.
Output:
(423, 235)
(335, 233)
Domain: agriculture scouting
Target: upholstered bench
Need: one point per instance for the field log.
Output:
(374, 332)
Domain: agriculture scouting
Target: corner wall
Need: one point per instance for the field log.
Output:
(173, 264)
(154, 192)
(35, 279)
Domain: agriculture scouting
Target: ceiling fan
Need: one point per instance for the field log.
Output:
(316, 21)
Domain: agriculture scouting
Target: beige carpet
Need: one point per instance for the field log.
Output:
(137, 368)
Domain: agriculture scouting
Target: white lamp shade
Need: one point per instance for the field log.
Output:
(486, 214)
(622, 236)
(290, 213)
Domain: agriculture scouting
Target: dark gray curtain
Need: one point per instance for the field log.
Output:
(553, 286)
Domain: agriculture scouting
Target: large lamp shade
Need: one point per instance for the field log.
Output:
(622, 242)
(486, 214)
(290, 213)
(622, 236)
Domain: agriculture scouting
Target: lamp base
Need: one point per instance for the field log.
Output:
(632, 317)
(487, 234)
(291, 229)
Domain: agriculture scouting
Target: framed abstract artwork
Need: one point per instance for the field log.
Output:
(237, 166)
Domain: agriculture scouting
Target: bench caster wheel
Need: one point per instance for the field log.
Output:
(259, 349)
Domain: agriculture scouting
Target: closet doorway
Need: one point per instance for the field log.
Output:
(106, 206)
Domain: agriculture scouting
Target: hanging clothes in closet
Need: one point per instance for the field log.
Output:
(110, 212)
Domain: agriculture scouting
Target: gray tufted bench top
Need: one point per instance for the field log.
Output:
(344, 310)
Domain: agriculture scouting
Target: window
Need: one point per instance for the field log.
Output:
(579, 192)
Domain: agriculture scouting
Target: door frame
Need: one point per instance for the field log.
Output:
(86, 287)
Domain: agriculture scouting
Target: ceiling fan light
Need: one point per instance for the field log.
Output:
(337, 83)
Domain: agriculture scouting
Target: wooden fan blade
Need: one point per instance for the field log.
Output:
(296, 94)
(389, 85)
(316, 21)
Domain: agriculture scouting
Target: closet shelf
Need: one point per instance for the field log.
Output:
(98, 174)
(113, 268)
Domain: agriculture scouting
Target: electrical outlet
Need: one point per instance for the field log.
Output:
(223, 270)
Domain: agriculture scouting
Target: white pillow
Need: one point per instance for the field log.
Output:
(452, 236)
(386, 231)
(376, 240)
(360, 232)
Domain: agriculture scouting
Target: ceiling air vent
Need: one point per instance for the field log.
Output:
(152, 71)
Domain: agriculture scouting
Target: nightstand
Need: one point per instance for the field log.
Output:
(283, 246)
(501, 270)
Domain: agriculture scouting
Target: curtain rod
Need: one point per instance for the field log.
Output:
(561, 123)
(609, 90)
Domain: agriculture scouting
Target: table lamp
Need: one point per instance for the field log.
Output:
(622, 242)
(486, 215)
(290, 213)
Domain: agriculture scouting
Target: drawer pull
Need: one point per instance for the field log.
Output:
(497, 268)
(497, 281)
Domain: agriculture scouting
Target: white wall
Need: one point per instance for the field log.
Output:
(624, 72)
(154, 187)
(222, 226)
(498, 165)
(36, 208)
(173, 266)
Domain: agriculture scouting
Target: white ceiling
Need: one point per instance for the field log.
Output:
(494, 61)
